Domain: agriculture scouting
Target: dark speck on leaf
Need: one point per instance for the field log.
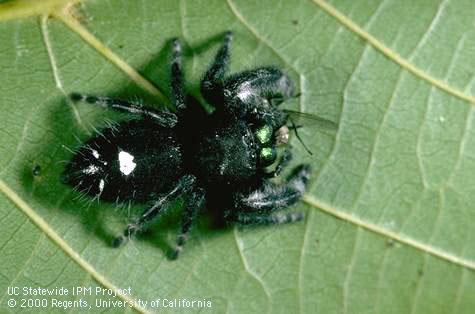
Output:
(36, 170)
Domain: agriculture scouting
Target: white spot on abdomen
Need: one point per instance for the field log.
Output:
(126, 163)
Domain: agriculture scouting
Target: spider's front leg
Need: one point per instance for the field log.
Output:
(259, 206)
(255, 94)
(269, 219)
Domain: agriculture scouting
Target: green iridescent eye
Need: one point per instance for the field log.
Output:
(264, 134)
(267, 156)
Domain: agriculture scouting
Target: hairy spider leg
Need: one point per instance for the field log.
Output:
(213, 79)
(185, 185)
(255, 94)
(193, 204)
(269, 219)
(178, 94)
(258, 206)
(163, 117)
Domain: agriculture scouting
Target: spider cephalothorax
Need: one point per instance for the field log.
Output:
(220, 158)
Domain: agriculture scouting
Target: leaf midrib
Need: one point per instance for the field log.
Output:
(391, 54)
(401, 238)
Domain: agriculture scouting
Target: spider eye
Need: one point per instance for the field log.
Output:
(267, 156)
(264, 134)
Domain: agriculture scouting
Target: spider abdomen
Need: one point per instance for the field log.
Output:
(132, 160)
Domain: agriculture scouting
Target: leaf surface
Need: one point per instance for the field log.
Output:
(390, 211)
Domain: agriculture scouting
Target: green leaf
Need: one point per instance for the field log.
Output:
(390, 212)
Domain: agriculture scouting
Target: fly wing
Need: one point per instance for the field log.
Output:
(299, 119)
(303, 119)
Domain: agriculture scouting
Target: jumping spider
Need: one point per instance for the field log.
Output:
(221, 158)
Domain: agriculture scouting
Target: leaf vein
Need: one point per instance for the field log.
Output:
(458, 293)
(392, 55)
(257, 35)
(377, 137)
(112, 57)
(349, 271)
(246, 265)
(399, 237)
(62, 244)
(434, 21)
(54, 66)
(24, 264)
(301, 260)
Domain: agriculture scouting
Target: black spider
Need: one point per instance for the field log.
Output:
(222, 158)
